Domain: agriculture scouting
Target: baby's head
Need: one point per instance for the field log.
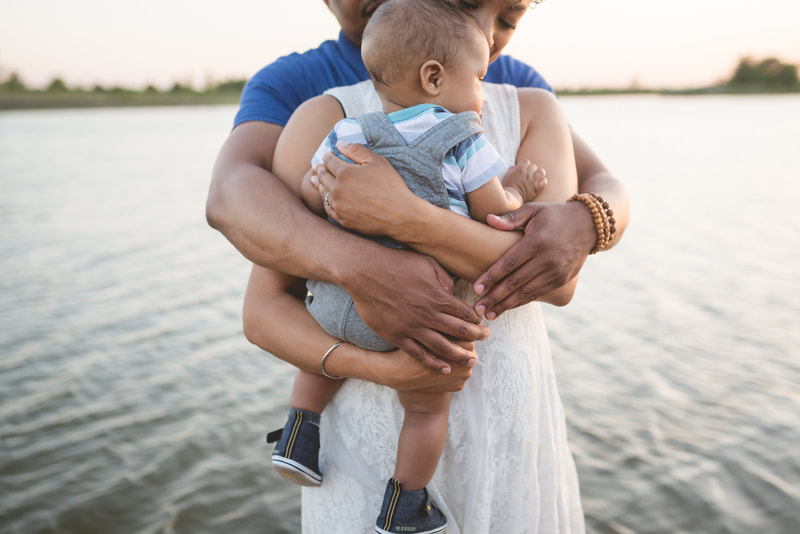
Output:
(426, 51)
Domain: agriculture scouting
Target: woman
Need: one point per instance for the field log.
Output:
(506, 467)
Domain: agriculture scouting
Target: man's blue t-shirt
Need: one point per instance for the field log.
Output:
(278, 89)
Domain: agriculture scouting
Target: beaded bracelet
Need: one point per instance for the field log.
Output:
(325, 357)
(609, 213)
(602, 216)
(591, 204)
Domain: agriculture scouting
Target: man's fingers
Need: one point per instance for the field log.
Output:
(518, 286)
(458, 310)
(502, 298)
(513, 220)
(508, 263)
(461, 331)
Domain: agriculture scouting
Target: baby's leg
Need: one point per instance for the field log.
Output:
(296, 455)
(313, 392)
(422, 437)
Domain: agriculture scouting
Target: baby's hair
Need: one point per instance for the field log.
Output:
(402, 34)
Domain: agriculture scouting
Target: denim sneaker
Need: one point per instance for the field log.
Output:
(408, 511)
(296, 455)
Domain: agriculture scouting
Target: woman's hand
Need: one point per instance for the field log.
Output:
(557, 240)
(369, 197)
(402, 372)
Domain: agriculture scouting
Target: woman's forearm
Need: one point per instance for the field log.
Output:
(466, 248)
(276, 320)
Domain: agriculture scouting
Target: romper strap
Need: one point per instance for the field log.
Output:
(379, 130)
(450, 132)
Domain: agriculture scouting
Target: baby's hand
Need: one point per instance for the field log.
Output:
(527, 179)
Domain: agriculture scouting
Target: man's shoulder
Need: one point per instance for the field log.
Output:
(506, 69)
(275, 91)
(295, 67)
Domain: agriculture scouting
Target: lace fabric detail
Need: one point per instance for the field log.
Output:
(506, 467)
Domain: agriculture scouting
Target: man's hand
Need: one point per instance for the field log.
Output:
(558, 238)
(406, 299)
(369, 197)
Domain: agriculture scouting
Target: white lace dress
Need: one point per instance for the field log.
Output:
(506, 467)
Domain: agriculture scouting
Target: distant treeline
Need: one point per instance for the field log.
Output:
(769, 75)
(14, 83)
(15, 94)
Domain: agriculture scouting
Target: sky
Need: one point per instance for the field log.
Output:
(573, 43)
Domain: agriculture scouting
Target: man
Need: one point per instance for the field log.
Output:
(405, 298)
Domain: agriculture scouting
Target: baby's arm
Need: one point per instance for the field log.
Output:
(525, 180)
(492, 198)
(480, 165)
(521, 183)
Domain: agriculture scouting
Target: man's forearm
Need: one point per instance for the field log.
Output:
(594, 177)
(613, 192)
(272, 228)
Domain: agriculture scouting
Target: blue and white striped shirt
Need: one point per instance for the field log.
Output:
(466, 167)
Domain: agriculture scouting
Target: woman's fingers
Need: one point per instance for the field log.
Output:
(423, 356)
(438, 351)
(333, 165)
(408, 374)
(434, 342)
(325, 194)
(358, 153)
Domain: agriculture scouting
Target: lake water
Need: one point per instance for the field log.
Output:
(131, 403)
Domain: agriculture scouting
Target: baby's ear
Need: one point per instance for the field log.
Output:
(431, 74)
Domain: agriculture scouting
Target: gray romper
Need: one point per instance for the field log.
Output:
(420, 165)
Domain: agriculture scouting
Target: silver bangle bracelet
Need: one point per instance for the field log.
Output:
(325, 357)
